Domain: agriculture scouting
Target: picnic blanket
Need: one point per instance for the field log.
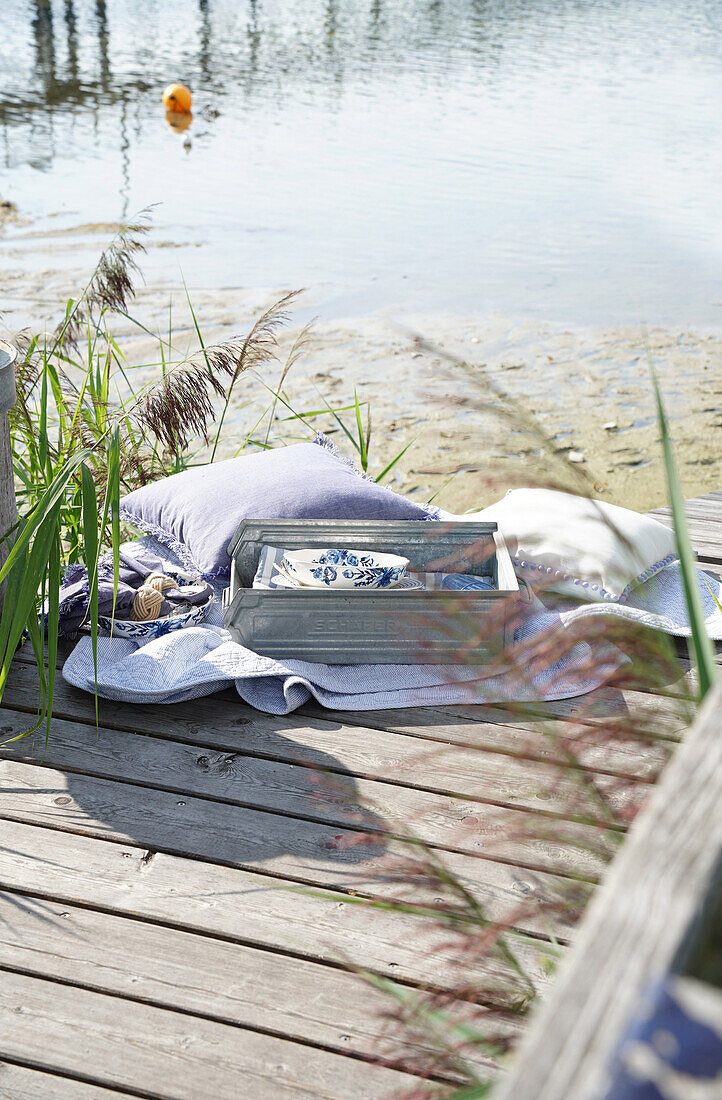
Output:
(203, 659)
(200, 660)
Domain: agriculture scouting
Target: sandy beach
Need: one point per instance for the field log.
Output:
(587, 387)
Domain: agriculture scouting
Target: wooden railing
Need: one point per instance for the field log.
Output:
(657, 914)
(8, 507)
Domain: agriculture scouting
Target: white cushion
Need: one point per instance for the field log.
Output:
(585, 548)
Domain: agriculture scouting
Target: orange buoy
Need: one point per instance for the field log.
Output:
(178, 120)
(177, 98)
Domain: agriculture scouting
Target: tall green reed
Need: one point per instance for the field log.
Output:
(700, 646)
(82, 434)
(358, 434)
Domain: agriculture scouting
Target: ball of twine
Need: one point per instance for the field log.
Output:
(146, 604)
(159, 581)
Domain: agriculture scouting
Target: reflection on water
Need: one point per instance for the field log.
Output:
(553, 157)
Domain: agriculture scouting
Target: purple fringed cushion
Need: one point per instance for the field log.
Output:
(196, 513)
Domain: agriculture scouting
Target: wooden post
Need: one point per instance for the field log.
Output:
(8, 506)
(647, 919)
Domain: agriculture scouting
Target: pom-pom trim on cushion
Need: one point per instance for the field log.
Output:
(598, 590)
(175, 545)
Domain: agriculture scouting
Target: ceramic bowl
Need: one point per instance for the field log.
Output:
(156, 628)
(341, 568)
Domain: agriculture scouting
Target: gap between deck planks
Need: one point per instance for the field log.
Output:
(518, 734)
(704, 521)
(240, 906)
(529, 952)
(183, 895)
(268, 783)
(162, 966)
(20, 1082)
(168, 1055)
(306, 854)
(471, 778)
(86, 826)
(652, 918)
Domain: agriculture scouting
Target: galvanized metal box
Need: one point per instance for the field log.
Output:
(381, 626)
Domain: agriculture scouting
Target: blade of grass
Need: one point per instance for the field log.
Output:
(392, 463)
(362, 447)
(282, 399)
(473, 1092)
(43, 431)
(38, 645)
(36, 641)
(709, 587)
(292, 357)
(265, 444)
(50, 500)
(315, 412)
(341, 424)
(257, 348)
(437, 1022)
(441, 488)
(22, 590)
(90, 537)
(701, 649)
(112, 498)
(53, 622)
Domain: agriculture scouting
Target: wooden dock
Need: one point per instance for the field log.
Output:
(179, 887)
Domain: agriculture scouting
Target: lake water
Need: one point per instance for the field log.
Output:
(546, 158)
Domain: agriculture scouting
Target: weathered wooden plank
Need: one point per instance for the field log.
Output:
(712, 500)
(705, 540)
(168, 1055)
(611, 707)
(653, 714)
(634, 928)
(488, 815)
(625, 734)
(715, 495)
(227, 981)
(609, 731)
(367, 744)
(704, 526)
(240, 906)
(359, 751)
(300, 851)
(708, 509)
(23, 1083)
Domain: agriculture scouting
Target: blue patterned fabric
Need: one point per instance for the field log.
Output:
(462, 582)
(137, 562)
(673, 1048)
